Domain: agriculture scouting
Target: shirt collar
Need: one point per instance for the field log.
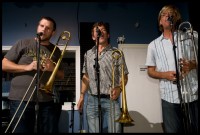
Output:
(104, 50)
(162, 37)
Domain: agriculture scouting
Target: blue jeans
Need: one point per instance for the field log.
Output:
(108, 115)
(173, 117)
(48, 117)
(27, 121)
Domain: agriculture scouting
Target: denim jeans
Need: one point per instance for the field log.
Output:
(173, 117)
(48, 117)
(47, 120)
(27, 121)
(108, 115)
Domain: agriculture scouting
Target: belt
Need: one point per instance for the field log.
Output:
(102, 96)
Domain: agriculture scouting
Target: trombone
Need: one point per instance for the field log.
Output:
(124, 117)
(188, 48)
(187, 40)
(48, 87)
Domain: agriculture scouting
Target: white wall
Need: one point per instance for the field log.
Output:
(142, 92)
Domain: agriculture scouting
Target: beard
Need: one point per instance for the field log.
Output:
(45, 39)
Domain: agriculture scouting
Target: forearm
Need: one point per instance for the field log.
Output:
(60, 74)
(84, 85)
(12, 67)
(125, 81)
(157, 75)
(169, 75)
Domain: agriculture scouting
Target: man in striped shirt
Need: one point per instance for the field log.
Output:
(179, 108)
(93, 84)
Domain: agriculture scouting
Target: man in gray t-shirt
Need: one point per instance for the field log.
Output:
(21, 60)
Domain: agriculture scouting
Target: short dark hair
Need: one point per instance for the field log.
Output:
(50, 19)
(101, 24)
(106, 26)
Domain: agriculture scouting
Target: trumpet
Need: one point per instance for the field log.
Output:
(124, 117)
(48, 86)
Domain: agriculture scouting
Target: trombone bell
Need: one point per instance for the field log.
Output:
(124, 117)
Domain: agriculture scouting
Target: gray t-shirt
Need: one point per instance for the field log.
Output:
(23, 52)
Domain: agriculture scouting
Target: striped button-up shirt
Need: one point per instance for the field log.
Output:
(106, 63)
(160, 54)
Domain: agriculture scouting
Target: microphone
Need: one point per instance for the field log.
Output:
(39, 34)
(98, 32)
(170, 18)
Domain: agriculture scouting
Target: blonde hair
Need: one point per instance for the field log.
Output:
(175, 13)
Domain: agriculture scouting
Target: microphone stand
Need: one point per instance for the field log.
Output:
(97, 80)
(72, 118)
(183, 106)
(81, 122)
(37, 79)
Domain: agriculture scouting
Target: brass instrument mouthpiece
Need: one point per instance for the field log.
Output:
(64, 37)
